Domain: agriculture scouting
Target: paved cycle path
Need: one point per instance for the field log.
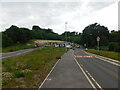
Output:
(66, 74)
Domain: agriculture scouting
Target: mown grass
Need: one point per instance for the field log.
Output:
(109, 54)
(28, 71)
(0, 49)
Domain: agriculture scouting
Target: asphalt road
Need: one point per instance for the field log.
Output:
(76, 69)
(104, 73)
(16, 53)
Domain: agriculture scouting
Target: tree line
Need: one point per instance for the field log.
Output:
(109, 40)
(16, 35)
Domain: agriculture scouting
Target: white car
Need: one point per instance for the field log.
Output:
(68, 46)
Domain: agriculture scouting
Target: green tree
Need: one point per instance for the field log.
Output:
(114, 44)
(13, 32)
(6, 41)
(91, 32)
(17, 34)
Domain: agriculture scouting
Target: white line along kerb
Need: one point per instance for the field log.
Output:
(87, 76)
(111, 61)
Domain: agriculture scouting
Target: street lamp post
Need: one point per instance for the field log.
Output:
(66, 33)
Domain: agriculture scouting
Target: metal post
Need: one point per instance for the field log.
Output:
(98, 39)
(66, 33)
(98, 45)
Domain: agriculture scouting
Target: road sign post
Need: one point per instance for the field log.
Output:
(98, 40)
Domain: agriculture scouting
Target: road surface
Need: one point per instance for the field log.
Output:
(16, 53)
(106, 74)
(66, 74)
(76, 69)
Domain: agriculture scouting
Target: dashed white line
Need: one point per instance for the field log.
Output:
(85, 75)
(84, 72)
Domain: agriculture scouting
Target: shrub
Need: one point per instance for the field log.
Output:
(104, 48)
(114, 46)
(6, 41)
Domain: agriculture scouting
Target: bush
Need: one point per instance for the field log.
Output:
(104, 48)
(114, 46)
(6, 41)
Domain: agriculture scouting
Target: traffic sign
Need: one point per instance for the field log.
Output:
(98, 38)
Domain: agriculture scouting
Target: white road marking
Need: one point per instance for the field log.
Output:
(49, 74)
(109, 61)
(84, 72)
(85, 75)
(49, 79)
(79, 67)
(114, 62)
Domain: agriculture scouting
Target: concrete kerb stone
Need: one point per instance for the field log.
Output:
(102, 57)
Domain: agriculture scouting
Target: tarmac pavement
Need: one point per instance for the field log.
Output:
(66, 74)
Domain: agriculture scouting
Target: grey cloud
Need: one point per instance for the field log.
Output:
(99, 5)
(45, 14)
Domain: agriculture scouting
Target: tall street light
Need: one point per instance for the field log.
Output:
(66, 33)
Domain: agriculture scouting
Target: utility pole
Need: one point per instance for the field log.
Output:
(66, 33)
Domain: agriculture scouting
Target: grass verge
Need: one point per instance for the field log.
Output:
(29, 70)
(18, 46)
(109, 54)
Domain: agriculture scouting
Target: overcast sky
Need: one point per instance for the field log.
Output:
(54, 13)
